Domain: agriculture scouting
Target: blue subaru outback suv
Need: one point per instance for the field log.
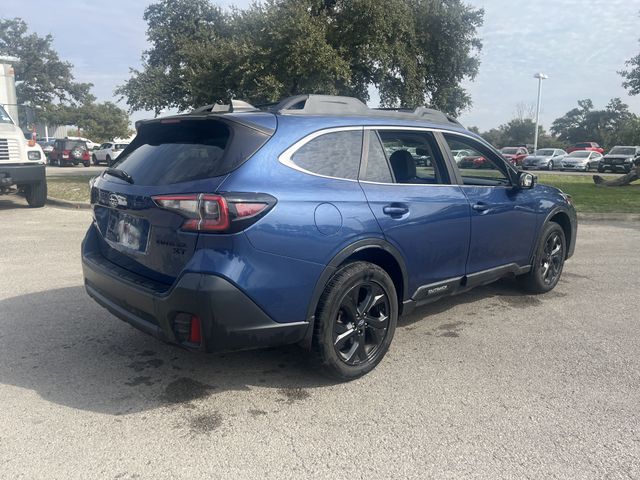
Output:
(316, 221)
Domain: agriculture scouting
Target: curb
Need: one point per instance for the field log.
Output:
(56, 202)
(609, 217)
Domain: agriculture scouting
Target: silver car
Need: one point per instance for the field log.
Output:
(544, 158)
(583, 160)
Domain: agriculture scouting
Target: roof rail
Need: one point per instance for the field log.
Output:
(332, 105)
(321, 105)
(233, 106)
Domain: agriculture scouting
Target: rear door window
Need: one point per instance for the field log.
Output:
(414, 157)
(165, 153)
(335, 154)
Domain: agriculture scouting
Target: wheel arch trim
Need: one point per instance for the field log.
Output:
(339, 259)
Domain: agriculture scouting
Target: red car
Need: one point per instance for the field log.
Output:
(67, 152)
(514, 155)
(590, 146)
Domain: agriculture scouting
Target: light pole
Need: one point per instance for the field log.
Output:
(540, 77)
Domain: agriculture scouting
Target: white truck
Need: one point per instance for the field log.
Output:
(22, 162)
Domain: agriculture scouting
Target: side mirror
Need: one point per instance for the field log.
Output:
(526, 180)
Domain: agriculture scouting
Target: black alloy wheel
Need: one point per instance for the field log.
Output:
(552, 259)
(355, 320)
(549, 261)
(362, 323)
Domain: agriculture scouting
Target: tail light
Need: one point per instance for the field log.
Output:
(228, 213)
(65, 153)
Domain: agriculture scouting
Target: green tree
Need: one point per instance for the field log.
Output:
(586, 124)
(415, 52)
(102, 121)
(42, 79)
(632, 75)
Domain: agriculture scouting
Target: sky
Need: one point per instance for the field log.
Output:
(579, 44)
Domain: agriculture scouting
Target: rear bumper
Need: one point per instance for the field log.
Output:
(230, 319)
(17, 174)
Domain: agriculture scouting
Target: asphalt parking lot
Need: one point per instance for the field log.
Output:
(490, 384)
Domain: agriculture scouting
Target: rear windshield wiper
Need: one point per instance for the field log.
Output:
(116, 172)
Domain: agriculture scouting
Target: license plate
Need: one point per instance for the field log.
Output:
(127, 232)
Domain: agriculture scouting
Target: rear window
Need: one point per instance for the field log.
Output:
(509, 151)
(188, 150)
(71, 144)
(622, 151)
(585, 145)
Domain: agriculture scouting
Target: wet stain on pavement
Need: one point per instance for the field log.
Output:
(185, 390)
(135, 381)
(144, 364)
(205, 422)
(452, 329)
(521, 301)
(292, 395)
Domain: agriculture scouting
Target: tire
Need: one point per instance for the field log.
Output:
(600, 169)
(60, 163)
(86, 164)
(36, 194)
(547, 266)
(94, 160)
(550, 165)
(108, 161)
(355, 321)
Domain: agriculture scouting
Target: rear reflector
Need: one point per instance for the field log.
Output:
(195, 332)
(249, 209)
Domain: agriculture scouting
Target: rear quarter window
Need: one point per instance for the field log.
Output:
(335, 154)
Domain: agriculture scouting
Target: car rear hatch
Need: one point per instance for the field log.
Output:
(148, 208)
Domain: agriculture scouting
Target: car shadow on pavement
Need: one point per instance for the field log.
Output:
(506, 293)
(12, 201)
(62, 345)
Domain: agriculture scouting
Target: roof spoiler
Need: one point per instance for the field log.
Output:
(232, 106)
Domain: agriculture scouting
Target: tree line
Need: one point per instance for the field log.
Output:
(613, 125)
(46, 86)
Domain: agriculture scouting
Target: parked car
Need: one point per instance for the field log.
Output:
(515, 155)
(474, 161)
(583, 160)
(590, 146)
(544, 158)
(619, 159)
(458, 155)
(219, 231)
(107, 153)
(67, 152)
(46, 145)
(90, 144)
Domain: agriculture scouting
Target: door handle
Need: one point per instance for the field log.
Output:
(480, 207)
(395, 210)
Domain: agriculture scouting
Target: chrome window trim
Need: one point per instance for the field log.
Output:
(285, 157)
